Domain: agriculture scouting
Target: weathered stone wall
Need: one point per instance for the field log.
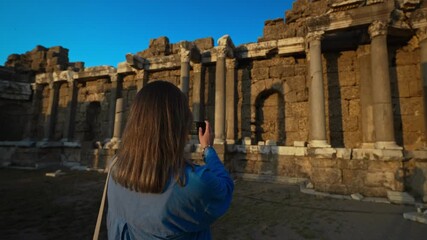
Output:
(277, 107)
(294, 24)
(407, 93)
(271, 106)
(42, 59)
(338, 174)
(342, 105)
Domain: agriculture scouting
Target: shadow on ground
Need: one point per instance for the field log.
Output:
(33, 206)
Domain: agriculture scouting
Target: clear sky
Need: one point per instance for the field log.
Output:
(101, 32)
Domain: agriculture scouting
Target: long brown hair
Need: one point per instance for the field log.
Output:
(152, 147)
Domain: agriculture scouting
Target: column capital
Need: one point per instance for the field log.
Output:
(422, 34)
(377, 28)
(225, 47)
(221, 51)
(113, 77)
(313, 36)
(231, 63)
(185, 54)
(197, 67)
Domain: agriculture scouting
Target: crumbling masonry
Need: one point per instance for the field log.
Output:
(334, 94)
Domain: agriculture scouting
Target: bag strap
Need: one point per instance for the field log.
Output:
(102, 206)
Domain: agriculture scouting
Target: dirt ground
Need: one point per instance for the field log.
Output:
(33, 206)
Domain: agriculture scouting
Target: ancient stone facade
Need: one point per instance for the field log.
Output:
(334, 94)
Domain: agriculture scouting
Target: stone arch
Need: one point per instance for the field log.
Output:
(93, 121)
(270, 116)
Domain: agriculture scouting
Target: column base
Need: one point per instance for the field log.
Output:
(387, 145)
(218, 141)
(367, 145)
(318, 144)
(230, 141)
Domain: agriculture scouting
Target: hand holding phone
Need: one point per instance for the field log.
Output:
(205, 135)
(195, 128)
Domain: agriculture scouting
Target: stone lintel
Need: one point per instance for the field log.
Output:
(294, 41)
(165, 62)
(44, 78)
(123, 67)
(351, 18)
(346, 5)
(255, 50)
(260, 50)
(291, 50)
(99, 71)
(63, 76)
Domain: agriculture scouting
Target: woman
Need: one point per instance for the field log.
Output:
(154, 192)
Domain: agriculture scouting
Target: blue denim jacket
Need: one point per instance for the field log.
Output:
(179, 212)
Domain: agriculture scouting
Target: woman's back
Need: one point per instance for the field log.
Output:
(180, 212)
(154, 192)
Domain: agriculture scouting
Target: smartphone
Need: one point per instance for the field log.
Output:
(195, 128)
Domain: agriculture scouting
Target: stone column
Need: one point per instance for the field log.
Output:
(220, 96)
(230, 100)
(31, 125)
(383, 112)
(317, 99)
(118, 119)
(422, 37)
(141, 79)
(197, 97)
(366, 105)
(52, 110)
(68, 133)
(185, 70)
(112, 108)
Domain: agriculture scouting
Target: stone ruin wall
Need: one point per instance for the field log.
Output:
(271, 106)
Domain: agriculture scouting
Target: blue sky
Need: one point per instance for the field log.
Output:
(101, 32)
